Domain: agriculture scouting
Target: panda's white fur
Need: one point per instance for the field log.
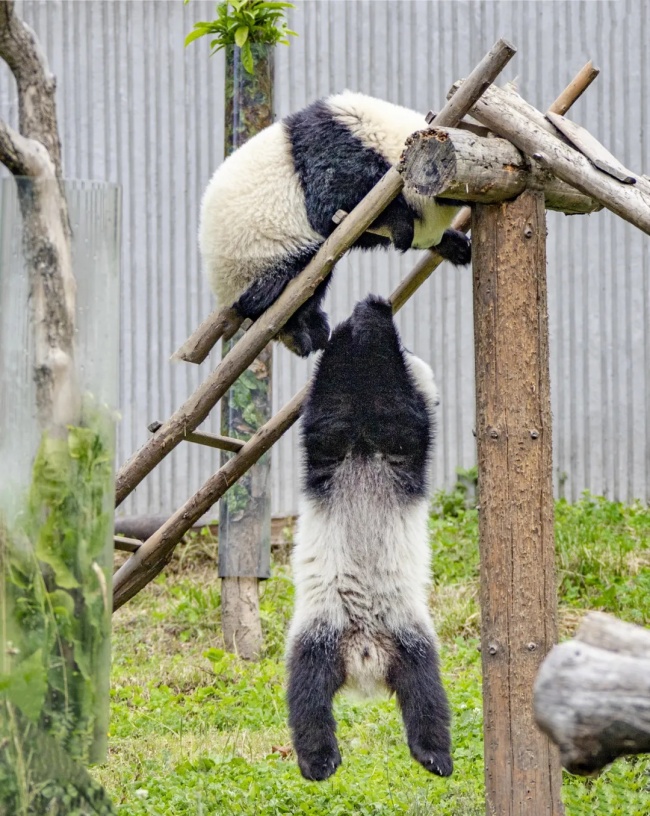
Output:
(385, 552)
(361, 557)
(269, 206)
(253, 212)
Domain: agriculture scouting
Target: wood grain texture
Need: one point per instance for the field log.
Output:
(453, 163)
(520, 124)
(513, 427)
(592, 694)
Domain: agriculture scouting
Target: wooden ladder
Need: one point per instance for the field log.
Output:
(148, 558)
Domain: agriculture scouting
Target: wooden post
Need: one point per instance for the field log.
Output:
(513, 429)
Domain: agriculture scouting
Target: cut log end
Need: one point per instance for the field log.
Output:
(592, 694)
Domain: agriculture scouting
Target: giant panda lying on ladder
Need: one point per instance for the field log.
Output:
(269, 206)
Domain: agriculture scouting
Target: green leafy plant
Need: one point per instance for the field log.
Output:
(244, 23)
(55, 563)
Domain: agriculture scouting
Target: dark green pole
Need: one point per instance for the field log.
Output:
(245, 510)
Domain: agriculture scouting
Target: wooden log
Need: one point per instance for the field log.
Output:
(197, 347)
(521, 126)
(574, 90)
(138, 527)
(592, 694)
(190, 415)
(126, 544)
(488, 69)
(513, 430)
(220, 323)
(453, 163)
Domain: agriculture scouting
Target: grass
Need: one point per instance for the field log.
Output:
(196, 731)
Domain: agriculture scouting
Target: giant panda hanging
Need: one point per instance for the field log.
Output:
(361, 558)
(269, 206)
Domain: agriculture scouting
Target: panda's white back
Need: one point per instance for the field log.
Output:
(378, 124)
(252, 213)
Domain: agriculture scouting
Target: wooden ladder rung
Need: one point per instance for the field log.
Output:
(126, 544)
(227, 443)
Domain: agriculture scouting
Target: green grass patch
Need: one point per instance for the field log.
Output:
(197, 731)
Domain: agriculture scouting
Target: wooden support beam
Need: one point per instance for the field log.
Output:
(453, 163)
(227, 443)
(126, 544)
(592, 694)
(518, 122)
(220, 323)
(513, 430)
(574, 90)
(480, 79)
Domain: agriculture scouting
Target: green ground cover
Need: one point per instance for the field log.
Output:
(196, 731)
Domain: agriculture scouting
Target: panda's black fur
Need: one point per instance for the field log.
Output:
(361, 559)
(269, 207)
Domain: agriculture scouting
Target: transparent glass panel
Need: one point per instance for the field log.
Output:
(56, 485)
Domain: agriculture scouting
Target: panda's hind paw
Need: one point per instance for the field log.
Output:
(437, 762)
(320, 764)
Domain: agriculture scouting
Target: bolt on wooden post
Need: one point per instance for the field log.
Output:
(513, 428)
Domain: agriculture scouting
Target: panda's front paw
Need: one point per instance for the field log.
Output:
(320, 763)
(437, 762)
(455, 247)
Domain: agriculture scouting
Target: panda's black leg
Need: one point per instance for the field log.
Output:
(308, 329)
(414, 676)
(316, 673)
(270, 284)
(455, 246)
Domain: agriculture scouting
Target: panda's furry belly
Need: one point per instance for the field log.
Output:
(367, 657)
(361, 565)
(428, 229)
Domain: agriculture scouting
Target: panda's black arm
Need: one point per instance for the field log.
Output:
(399, 218)
(261, 294)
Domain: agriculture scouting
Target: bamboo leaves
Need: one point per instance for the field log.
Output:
(244, 23)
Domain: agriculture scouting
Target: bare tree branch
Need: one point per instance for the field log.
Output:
(23, 157)
(35, 152)
(21, 50)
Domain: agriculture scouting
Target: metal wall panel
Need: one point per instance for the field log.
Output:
(137, 108)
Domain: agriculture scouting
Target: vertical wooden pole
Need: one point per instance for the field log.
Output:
(513, 429)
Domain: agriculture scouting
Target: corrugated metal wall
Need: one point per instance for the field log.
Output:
(137, 108)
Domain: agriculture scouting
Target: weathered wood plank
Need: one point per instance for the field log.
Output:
(519, 122)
